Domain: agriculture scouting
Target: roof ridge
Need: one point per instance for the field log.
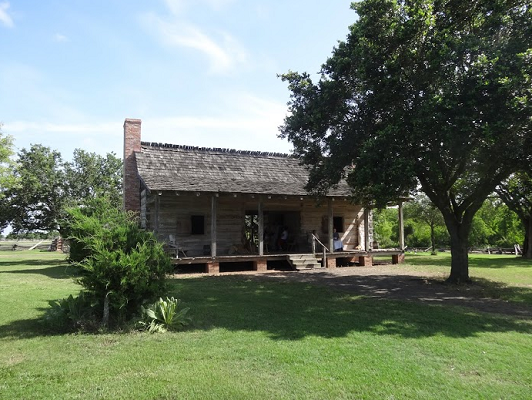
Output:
(215, 150)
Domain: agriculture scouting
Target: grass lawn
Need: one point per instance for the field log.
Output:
(269, 340)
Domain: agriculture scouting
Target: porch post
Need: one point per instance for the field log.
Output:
(366, 229)
(261, 227)
(157, 205)
(330, 224)
(214, 213)
(401, 227)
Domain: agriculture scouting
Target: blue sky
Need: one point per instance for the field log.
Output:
(197, 72)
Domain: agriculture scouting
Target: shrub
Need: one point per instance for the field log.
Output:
(70, 314)
(122, 265)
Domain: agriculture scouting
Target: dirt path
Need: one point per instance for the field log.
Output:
(391, 282)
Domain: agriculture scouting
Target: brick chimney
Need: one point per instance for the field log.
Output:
(131, 185)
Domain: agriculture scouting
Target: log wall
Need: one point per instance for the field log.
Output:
(170, 214)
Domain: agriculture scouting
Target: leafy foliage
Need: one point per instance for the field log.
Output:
(36, 202)
(386, 227)
(430, 94)
(164, 315)
(71, 314)
(46, 186)
(7, 178)
(516, 192)
(122, 265)
(90, 175)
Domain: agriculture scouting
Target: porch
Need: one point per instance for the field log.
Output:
(282, 261)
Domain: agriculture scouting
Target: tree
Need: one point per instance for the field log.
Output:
(36, 203)
(386, 227)
(429, 94)
(516, 192)
(7, 178)
(47, 186)
(423, 210)
(90, 175)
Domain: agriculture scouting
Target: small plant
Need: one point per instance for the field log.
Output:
(71, 313)
(164, 315)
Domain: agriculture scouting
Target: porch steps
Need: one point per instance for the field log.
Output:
(303, 261)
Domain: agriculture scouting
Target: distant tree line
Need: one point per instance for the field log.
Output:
(495, 225)
(37, 186)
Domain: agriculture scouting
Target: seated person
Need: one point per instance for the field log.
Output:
(337, 242)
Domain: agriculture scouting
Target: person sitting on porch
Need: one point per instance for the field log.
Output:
(337, 242)
(283, 241)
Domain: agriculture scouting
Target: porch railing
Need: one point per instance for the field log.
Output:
(324, 249)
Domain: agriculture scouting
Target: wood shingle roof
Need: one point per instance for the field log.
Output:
(186, 168)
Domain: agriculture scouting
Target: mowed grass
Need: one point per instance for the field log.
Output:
(253, 339)
(505, 277)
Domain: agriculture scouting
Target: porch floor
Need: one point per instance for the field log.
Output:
(271, 260)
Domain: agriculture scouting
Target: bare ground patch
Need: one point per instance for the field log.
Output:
(399, 283)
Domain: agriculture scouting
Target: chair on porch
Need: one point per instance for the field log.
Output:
(292, 245)
(172, 248)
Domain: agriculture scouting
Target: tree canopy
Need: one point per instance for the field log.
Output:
(7, 179)
(90, 175)
(37, 201)
(428, 94)
(46, 186)
(516, 192)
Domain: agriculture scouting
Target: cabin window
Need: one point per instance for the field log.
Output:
(197, 223)
(338, 224)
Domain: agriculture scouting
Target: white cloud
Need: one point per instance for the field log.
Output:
(175, 6)
(99, 137)
(247, 123)
(178, 6)
(222, 50)
(241, 121)
(58, 37)
(5, 18)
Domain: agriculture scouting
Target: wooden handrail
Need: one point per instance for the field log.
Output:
(318, 240)
(325, 250)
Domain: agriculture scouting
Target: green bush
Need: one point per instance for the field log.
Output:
(89, 220)
(122, 265)
(70, 314)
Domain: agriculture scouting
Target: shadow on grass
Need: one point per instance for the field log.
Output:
(292, 311)
(50, 268)
(475, 260)
(25, 329)
(498, 290)
(288, 310)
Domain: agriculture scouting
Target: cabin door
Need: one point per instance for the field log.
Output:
(251, 231)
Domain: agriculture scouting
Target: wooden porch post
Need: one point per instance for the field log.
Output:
(366, 229)
(401, 227)
(214, 214)
(157, 206)
(261, 226)
(330, 224)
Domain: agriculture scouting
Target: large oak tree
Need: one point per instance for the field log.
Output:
(429, 94)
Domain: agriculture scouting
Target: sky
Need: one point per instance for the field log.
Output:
(196, 72)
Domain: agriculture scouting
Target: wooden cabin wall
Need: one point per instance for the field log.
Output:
(169, 214)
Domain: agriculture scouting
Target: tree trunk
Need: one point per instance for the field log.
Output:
(459, 233)
(433, 238)
(105, 319)
(527, 245)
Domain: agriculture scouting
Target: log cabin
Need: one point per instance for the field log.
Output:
(213, 207)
